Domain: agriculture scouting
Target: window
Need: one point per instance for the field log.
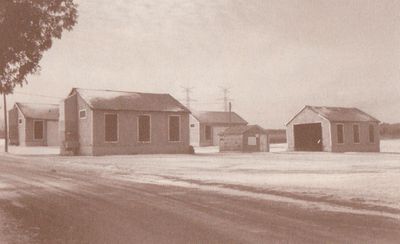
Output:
(340, 133)
(208, 132)
(20, 121)
(38, 130)
(144, 128)
(111, 127)
(82, 114)
(356, 133)
(192, 125)
(371, 130)
(174, 128)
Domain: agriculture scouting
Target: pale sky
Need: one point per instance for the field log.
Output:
(275, 55)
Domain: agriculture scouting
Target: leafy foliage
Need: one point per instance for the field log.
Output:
(27, 28)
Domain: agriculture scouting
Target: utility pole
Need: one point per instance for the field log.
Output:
(5, 123)
(187, 91)
(226, 98)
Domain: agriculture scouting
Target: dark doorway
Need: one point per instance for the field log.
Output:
(308, 137)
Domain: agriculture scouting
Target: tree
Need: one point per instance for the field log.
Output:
(27, 28)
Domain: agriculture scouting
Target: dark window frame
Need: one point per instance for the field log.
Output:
(371, 133)
(138, 129)
(34, 130)
(208, 133)
(356, 134)
(105, 128)
(340, 140)
(177, 138)
(80, 114)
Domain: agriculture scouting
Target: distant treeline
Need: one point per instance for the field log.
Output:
(277, 136)
(390, 131)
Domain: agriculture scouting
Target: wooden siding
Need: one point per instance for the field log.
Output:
(194, 131)
(128, 134)
(349, 145)
(70, 136)
(29, 133)
(239, 142)
(85, 126)
(231, 143)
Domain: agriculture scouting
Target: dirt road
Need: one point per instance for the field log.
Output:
(47, 205)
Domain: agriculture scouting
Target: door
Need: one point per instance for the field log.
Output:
(52, 133)
(308, 137)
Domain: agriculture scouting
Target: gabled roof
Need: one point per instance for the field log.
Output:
(240, 129)
(339, 114)
(135, 101)
(215, 117)
(39, 111)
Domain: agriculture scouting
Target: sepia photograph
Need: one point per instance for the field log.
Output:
(199, 121)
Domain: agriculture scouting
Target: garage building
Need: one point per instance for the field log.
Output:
(333, 129)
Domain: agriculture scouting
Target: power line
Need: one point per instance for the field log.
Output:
(197, 102)
(37, 95)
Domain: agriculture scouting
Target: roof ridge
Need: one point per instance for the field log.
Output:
(207, 111)
(95, 98)
(39, 110)
(342, 107)
(336, 113)
(218, 117)
(108, 90)
(55, 104)
(212, 111)
(365, 113)
(242, 129)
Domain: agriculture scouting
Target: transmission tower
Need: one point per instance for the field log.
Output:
(188, 100)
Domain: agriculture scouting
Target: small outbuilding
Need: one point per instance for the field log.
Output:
(104, 122)
(205, 126)
(333, 129)
(33, 124)
(244, 138)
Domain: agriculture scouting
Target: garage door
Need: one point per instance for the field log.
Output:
(52, 133)
(308, 137)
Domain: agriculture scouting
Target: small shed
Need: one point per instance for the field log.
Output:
(33, 124)
(244, 138)
(205, 126)
(333, 129)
